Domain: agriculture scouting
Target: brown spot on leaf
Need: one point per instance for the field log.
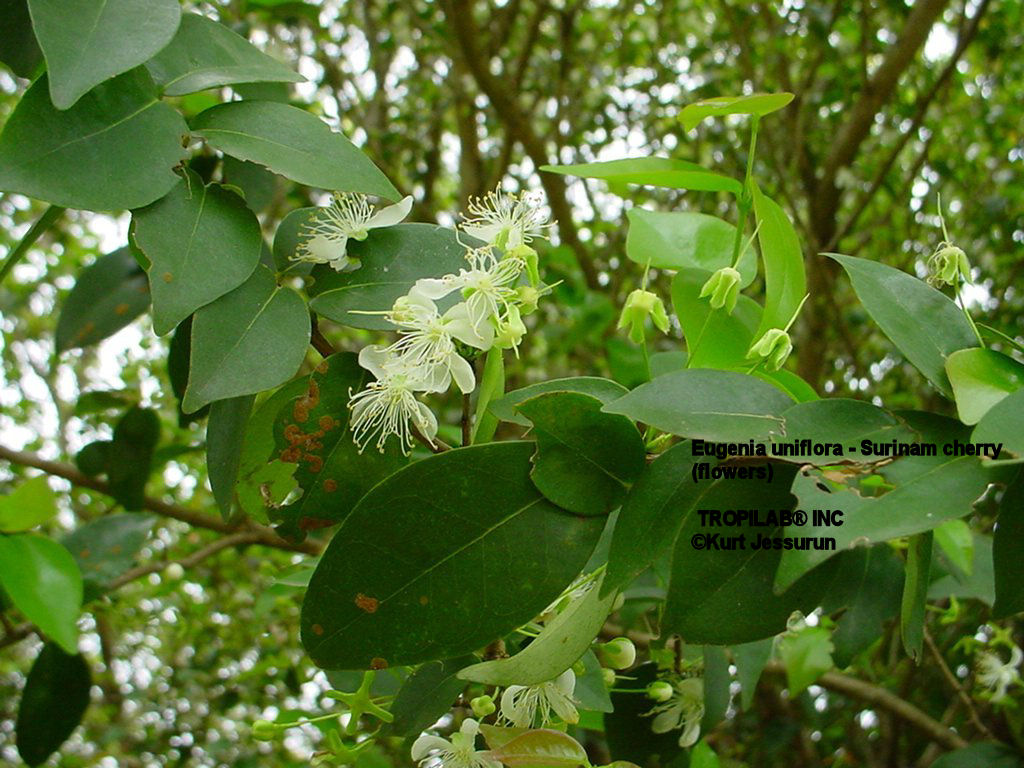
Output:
(84, 553)
(307, 523)
(327, 423)
(424, 599)
(168, 277)
(378, 663)
(322, 367)
(317, 629)
(330, 486)
(121, 308)
(366, 603)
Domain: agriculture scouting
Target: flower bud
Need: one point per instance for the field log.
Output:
(724, 288)
(947, 265)
(529, 257)
(659, 690)
(264, 730)
(774, 346)
(619, 653)
(510, 331)
(529, 297)
(608, 675)
(640, 305)
(482, 706)
(174, 571)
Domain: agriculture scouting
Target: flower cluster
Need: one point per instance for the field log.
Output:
(499, 285)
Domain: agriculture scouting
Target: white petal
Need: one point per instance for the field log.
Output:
(426, 421)
(690, 733)
(458, 324)
(566, 682)
(374, 358)
(323, 249)
(426, 744)
(564, 708)
(668, 720)
(463, 374)
(486, 232)
(470, 727)
(436, 288)
(388, 217)
(432, 378)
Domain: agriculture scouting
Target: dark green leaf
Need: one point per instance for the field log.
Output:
(754, 104)
(56, 696)
(201, 242)
(107, 296)
(106, 547)
(915, 593)
(604, 390)
(113, 150)
(286, 241)
(86, 42)
(897, 302)
(980, 379)
(178, 357)
(684, 240)
(585, 458)
(468, 516)
(1008, 551)
(205, 54)
(18, 47)
(392, 260)
(294, 143)
(839, 421)
(42, 580)
(591, 692)
(871, 587)
(785, 283)
(1003, 423)
(628, 728)
(32, 503)
(652, 171)
(751, 659)
(716, 686)
(225, 432)
(427, 695)
(313, 432)
(989, 755)
(250, 339)
(130, 456)
(713, 405)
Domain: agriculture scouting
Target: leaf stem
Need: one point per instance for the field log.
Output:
(745, 198)
(43, 223)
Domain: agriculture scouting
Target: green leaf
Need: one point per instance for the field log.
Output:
(702, 756)
(755, 104)
(201, 242)
(713, 405)
(915, 594)
(42, 580)
(1008, 551)
(897, 302)
(750, 660)
(130, 454)
(392, 260)
(956, 542)
(492, 387)
(725, 597)
(807, 655)
(714, 338)
(788, 382)
(560, 644)
(313, 432)
(205, 54)
(785, 282)
(870, 590)
(225, 433)
(585, 458)
(467, 516)
(178, 356)
(839, 421)
(114, 149)
(1003, 423)
(628, 727)
(652, 171)
(105, 548)
(293, 143)
(716, 686)
(427, 695)
(684, 240)
(604, 390)
(250, 339)
(542, 748)
(944, 491)
(286, 241)
(989, 755)
(980, 379)
(18, 47)
(55, 698)
(87, 42)
(591, 693)
(32, 503)
(107, 296)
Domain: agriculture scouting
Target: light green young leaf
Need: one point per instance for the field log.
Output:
(685, 240)
(755, 104)
(205, 54)
(43, 581)
(294, 143)
(1003, 423)
(980, 379)
(30, 504)
(86, 42)
(653, 171)
(785, 281)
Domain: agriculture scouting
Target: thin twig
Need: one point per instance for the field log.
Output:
(947, 673)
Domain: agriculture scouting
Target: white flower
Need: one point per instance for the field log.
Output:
(388, 405)
(997, 676)
(488, 286)
(684, 710)
(521, 704)
(460, 752)
(428, 339)
(504, 220)
(348, 216)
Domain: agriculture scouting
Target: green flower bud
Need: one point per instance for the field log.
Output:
(640, 305)
(724, 288)
(482, 706)
(659, 690)
(619, 653)
(529, 257)
(510, 331)
(264, 730)
(608, 676)
(774, 346)
(529, 297)
(947, 265)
